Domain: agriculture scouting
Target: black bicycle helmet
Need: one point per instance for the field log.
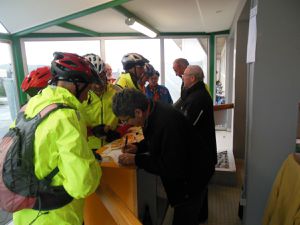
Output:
(133, 59)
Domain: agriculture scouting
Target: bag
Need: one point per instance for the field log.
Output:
(19, 186)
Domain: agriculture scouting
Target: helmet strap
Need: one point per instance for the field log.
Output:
(79, 91)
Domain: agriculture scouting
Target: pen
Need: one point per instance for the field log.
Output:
(126, 140)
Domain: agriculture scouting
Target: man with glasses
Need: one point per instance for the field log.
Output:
(168, 150)
(133, 64)
(196, 104)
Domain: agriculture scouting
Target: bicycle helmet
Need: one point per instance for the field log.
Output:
(73, 68)
(149, 70)
(96, 61)
(36, 80)
(133, 59)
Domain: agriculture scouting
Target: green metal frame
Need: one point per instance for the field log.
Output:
(19, 69)
(79, 29)
(83, 32)
(5, 36)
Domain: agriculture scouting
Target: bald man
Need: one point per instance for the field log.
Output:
(196, 104)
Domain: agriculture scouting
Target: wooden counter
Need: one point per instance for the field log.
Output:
(223, 106)
(115, 201)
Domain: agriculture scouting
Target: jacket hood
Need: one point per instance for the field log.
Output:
(50, 95)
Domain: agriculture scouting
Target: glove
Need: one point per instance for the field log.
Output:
(97, 156)
(99, 131)
(112, 135)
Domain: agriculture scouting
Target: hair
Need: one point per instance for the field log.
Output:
(127, 101)
(197, 72)
(182, 62)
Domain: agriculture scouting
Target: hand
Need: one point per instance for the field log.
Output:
(112, 135)
(100, 130)
(129, 148)
(127, 159)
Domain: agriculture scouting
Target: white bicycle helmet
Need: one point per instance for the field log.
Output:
(96, 61)
(133, 59)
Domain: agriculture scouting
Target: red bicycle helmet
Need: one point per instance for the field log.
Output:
(36, 80)
(73, 68)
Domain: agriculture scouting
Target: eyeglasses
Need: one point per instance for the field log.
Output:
(125, 121)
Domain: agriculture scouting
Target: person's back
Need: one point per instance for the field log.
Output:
(60, 141)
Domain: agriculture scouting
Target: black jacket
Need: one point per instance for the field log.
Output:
(168, 150)
(196, 104)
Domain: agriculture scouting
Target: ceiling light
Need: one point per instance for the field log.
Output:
(132, 23)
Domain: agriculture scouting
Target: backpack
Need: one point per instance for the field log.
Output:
(19, 186)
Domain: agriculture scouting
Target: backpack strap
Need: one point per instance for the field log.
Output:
(50, 108)
(51, 174)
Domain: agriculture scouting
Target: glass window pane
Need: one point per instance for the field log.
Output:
(40, 53)
(193, 49)
(116, 49)
(220, 70)
(8, 87)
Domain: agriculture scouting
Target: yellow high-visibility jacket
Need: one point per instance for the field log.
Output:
(60, 141)
(98, 110)
(125, 81)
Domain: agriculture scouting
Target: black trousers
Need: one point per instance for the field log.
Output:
(188, 212)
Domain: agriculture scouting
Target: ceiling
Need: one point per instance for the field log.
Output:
(96, 17)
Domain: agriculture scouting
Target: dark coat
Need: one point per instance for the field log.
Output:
(168, 150)
(196, 104)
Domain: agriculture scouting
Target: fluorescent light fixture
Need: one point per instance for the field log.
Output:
(132, 23)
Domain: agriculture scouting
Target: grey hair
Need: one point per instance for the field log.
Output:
(182, 62)
(196, 71)
(127, 101)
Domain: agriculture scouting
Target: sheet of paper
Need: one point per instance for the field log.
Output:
(251, 46)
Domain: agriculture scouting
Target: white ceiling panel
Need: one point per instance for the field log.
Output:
(17, 15)
(187, 15)
(163, 15)
(105, 21)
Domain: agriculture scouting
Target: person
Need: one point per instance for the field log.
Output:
(100, 118)
(157, 92)
(179, 66)
(109, 74)
(36, 80)
(168, 150)
(133, 64)
(60, 141)
(196, 104)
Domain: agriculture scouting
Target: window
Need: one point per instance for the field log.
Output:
(193, 49)
(116, 49)
(8, 88)
(40, 53)
(220, 76)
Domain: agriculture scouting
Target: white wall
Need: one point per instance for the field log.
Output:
(273, 95)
